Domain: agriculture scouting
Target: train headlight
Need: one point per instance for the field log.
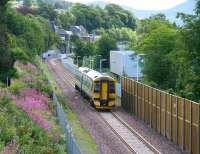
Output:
(111, 103)
(96, 103)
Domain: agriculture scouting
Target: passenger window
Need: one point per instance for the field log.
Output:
(112, 87)
(97, 87)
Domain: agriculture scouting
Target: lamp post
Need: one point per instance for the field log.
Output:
(77, 59)
(101, 60)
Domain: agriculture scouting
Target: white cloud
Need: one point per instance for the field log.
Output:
(142, 4)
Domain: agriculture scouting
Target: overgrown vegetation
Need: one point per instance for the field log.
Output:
(27, 115)
(83, 139)
(20, 133)
(22, 37)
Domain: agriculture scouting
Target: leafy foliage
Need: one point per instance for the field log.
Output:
(65, 20)
(94, 17)
(82, 48)
(19, 40)
(104, 45)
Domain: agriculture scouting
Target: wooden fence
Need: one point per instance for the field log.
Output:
(174, 117)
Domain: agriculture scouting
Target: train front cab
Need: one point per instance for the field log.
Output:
(104, 93)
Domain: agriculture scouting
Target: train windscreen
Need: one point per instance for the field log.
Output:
(111, 87)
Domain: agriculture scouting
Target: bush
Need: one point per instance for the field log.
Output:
(16, 86)
(16, 126)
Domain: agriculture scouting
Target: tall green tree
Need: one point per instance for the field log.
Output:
(191, 34)
(157, 46)
(47, 11)
(6, 59)
(82, 48)
(87, 16)
(65, 20)
(104, 45)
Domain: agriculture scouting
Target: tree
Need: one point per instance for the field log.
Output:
(6, 60)
(47, 11)
(111, 16)
(3, 2)
(104, 45)
(157, 46)
(118, 17)
(119, 34)
(191, 34)
(87, 16)
(65, 20)
(82, 48)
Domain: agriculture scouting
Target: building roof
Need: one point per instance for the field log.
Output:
(125, 52)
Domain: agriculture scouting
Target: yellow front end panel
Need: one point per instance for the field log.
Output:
(104, 92)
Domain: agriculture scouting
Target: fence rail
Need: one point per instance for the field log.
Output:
(174, 117)
(71, 145)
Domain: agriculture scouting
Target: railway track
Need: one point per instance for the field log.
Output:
(129, 137)
(135, 143)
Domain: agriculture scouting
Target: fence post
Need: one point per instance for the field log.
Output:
(151, 107)
(137, 102)
(190, 126)
(131, 100)
(129, 89)
(144, 99)
(183, 135)
(122, 92)
(198, 142)
(160, 112)
(147, 120)
(171, 118)
(156, 110)
(165, 133)
(176, 120)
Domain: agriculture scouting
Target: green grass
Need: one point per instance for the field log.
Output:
(82, 137)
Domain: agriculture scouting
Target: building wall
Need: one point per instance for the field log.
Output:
(122, 63)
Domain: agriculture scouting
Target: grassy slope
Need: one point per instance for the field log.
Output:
(82, 137)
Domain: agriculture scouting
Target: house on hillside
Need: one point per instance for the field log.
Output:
(78, 30)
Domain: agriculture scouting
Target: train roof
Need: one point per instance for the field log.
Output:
(92, 73)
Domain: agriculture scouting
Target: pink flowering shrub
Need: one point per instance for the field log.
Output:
(10, 148)
(28, 67)
(35, 104)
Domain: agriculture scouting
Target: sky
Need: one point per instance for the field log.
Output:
(151, 5)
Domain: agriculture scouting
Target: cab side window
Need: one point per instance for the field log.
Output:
(96, 87)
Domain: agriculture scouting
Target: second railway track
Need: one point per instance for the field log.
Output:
(135, 142)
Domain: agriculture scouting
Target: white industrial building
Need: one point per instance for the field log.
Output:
(126, 63)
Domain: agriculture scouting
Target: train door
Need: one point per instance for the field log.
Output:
(104, 90)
